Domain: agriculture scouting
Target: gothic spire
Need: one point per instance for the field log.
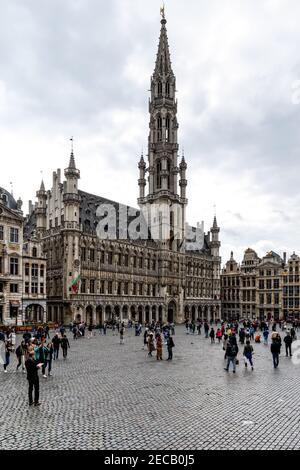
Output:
(72, 159)
(163, 65)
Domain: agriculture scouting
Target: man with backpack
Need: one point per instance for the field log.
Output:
(231, 353)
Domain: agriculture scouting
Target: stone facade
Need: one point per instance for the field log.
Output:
(291, 288)
(17, 252)
(156, 278)
(260, 288)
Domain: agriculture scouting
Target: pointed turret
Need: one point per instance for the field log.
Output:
(41, 209)
(71, 197)
(163, 64)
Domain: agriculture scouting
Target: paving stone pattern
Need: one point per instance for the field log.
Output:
(112, 396)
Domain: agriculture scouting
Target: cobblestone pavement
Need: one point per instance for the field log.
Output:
(112, 396)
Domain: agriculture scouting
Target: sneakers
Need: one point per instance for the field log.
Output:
(45, 376)
(5, 371)
(252, 368)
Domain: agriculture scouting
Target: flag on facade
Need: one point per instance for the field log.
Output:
(75, 284)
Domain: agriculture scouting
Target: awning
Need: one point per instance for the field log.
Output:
(15, 303)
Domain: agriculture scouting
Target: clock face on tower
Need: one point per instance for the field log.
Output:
(76, 263)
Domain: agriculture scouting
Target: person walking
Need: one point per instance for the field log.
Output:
(170, 346)
(90, 330)
(150, 341)
(248, 352)
(40, 356)
(122, 332)
(33, 379)
(7, 351)
(231, 353)
(20, 353)
(266, 335)
(212, 335)
(288, 344)
(49, 357)
(206, 329)
(64, 346)
(158, 347)
(275, 350)
(225, 342)
(219, 335)
(56, 343)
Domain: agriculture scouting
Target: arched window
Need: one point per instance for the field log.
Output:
(169, 172)
(159, 128)
(168, 88)
(159, 89)
(158, 175)
(34, 252)
(168, 133)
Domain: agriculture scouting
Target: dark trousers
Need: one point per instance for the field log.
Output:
(49, 364)
(288, 349)
(34, 384)
(55, 353)
(275, 359)
(65, 352)
(170, 354)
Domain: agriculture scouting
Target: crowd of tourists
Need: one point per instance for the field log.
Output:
(247, 332)
(35, 351)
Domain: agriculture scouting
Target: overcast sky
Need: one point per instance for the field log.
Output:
(83, 67)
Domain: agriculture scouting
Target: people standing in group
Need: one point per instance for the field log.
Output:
(20, 353)
(288, 343)
(33, 379)
(170, 346)
(56, 344)
(65, 345)
(247, 353)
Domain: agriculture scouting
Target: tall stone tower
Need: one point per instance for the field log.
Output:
(215, 251)
(41, 210)
(166, 206)
(71, 230)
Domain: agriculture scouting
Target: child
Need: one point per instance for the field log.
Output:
(248, 351)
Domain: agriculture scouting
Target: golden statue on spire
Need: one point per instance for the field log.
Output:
(162, 12)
